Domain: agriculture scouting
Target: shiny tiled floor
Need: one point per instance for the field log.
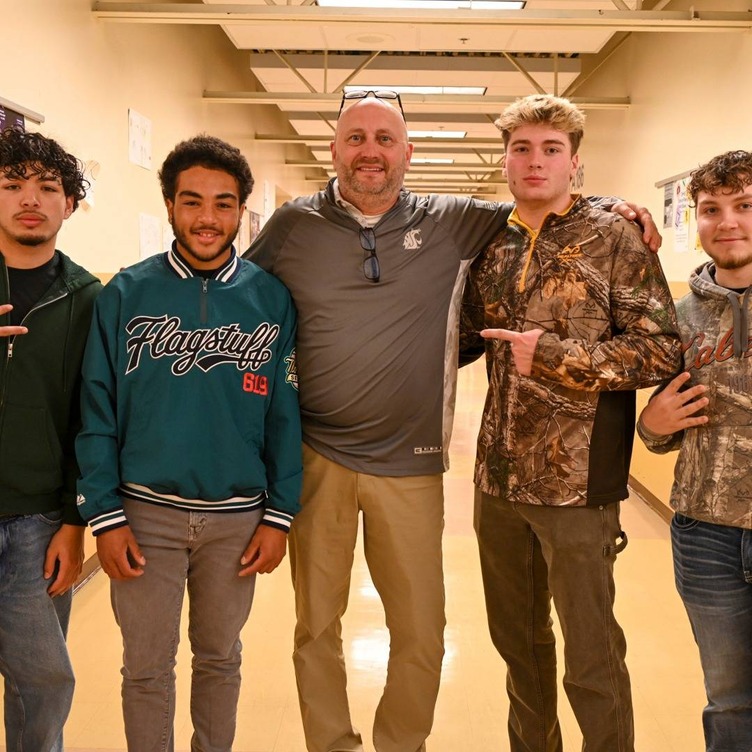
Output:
(471, 713)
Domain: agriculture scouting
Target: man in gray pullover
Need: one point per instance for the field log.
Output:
(376, 273)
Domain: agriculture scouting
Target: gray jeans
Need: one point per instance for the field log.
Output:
(201, 550)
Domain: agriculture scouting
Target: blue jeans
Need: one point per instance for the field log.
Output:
(200, 552)
(713, 570)
(33, 656)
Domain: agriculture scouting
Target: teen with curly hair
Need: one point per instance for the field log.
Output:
(45, 308)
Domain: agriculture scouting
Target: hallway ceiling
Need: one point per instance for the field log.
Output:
(303, 55)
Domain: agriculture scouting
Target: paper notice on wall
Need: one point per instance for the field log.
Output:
(139, 139)
(149, 235)
(668, 206)
(243, 239)
(681, 216)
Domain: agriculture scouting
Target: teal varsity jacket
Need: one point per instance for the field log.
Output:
(189, 394)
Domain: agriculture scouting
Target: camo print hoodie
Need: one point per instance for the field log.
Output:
(563, 436)
(712, 477)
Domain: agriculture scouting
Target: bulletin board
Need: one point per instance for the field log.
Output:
(15, 114)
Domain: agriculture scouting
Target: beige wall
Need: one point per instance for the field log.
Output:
(83, 75)
(690, 96)
(690, 100)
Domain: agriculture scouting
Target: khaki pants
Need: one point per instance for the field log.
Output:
(528, 555)
(403, 520)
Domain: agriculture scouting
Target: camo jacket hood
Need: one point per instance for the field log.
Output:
(712, 477)
(563, 436)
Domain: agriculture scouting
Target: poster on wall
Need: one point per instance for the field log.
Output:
(244, 233)
(254, 225)
(668, 206)
(10, 118)
(578, 179)
(681, 216)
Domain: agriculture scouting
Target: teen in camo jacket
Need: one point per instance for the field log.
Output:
(563, 436)
(712, 481)
(578, 315)
(706, 413)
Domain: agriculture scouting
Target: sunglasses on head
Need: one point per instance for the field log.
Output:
(384, 94)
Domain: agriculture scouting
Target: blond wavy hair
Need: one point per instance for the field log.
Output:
(545, 109)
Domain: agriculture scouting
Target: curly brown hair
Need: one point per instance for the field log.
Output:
(211, 153)
(727, 173)
(23, 153)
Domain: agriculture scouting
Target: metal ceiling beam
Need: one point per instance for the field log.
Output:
(462, 102)
(416, 176)
(296, 72)
(475, 190)
(440, 185)
(424, 149)
(616, 41)
(486, 192)
(322, 141)
(521, 69)
(414, 168)
(361, 67)
(472, 64)
(433, 185)
(616, 20)
(444, 188)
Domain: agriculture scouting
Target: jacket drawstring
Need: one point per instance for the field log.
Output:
(740, 314)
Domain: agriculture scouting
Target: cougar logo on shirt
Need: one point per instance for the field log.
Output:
(413, 241)
(161, 336)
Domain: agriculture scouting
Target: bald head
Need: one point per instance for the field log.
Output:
(371, 154)
(377, 111)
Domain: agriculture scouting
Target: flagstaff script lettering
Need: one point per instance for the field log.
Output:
(161, 337)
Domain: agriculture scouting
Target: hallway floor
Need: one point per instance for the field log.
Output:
(471, 712)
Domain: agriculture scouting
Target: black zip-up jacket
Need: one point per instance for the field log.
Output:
(40, 377)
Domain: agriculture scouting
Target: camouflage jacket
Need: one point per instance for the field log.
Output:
(713, 474)
(563, 436)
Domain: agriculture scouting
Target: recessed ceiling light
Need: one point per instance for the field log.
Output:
(424, 4)
(444, 90)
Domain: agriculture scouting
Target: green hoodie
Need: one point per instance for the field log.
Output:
(39, 395)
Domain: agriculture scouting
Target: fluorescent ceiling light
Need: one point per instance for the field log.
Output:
(445, 90)
(425, 4)
(436, 134)
(431, 160)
